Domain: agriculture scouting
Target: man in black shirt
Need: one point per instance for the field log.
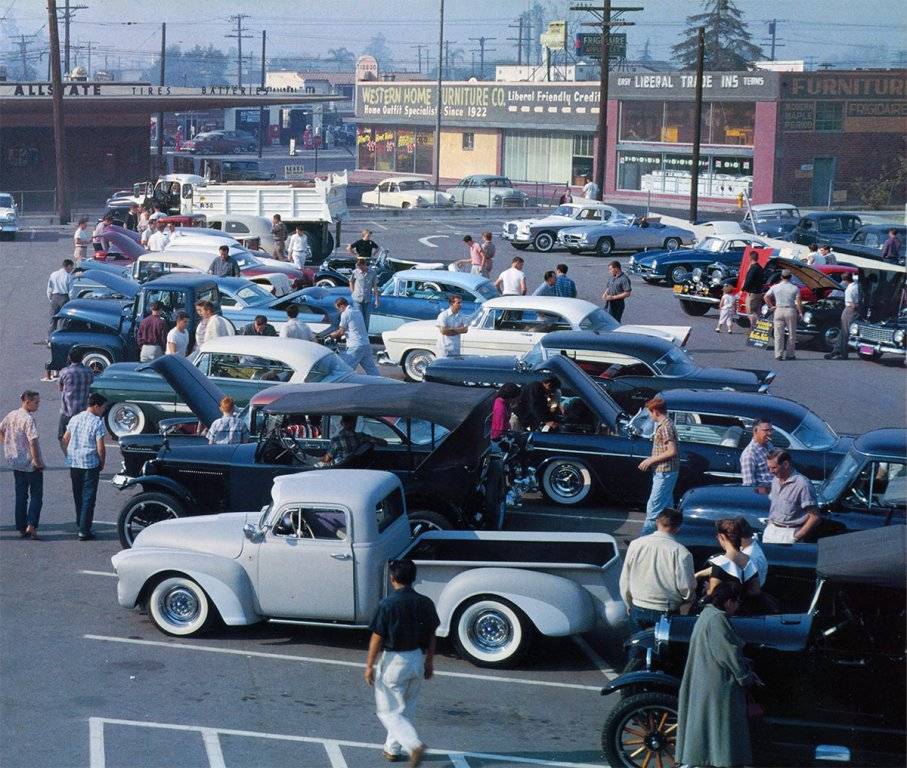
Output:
(753, 284)
(404, 629)
(364, 247)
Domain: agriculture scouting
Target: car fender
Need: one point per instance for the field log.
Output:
(224, 580)
(161, 483)
(555, 605)
(644, 679)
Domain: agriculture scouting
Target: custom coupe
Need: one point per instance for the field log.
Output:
(487, 191)
(435, 439)
(770, 219)
(510, 325)
(406, 192)
(674, 265)
(824, 227)
(541, 233)
(630, 366)
(139, 398)
(833, 672)
(869, 240)
(631, 235)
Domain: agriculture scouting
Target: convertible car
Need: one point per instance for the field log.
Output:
(541, 233)
(630, 366)
(627, 235)
(241, 366)
(435, 439)
(674, 265)
(335, 271)
(597, 446)
(510, 325)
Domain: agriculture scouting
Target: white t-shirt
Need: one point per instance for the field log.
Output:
(512, 281)
(294, 329)
(180, 339)
(590, 190)
(158, 241)
(852, 294)
(146, 236)
(353, 324)
(217, 326)
(448, 346)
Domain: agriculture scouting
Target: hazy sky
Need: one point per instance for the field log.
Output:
(807, 28)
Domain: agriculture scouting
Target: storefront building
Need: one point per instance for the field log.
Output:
(786, 137)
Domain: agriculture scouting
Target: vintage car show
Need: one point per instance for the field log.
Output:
(453, 384)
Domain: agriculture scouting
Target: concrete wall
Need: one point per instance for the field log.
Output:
(485, 157)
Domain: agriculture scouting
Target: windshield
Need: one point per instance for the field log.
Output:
(840, 478)
(564, 210)
(711, 244)
(244, 258)
(254, 294)
(674, 362)
(406, 186)
(6, 201)
(598, 320)
(328, 368)
(536, 355)
(814, 433)
(487, 290)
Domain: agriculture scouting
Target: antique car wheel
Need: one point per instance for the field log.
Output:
(694, 308)
(672, 244)
(830, 338)
(179, 606)
(146, 509)
(642, 731)
(96, 361)
(491, 632)
(424, 520)
(125, 419)
(565, 481)
(326, 282)
(543, 242)
(604, 246)
(678, 274)
(415, 363)
(520, 246)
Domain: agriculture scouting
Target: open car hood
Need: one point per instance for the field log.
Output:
(123, 241)
(115, 282)
(811, 278)
(599, 402)
(192, 386)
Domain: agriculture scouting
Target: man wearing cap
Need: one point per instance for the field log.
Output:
(784, 298)
(851, 306)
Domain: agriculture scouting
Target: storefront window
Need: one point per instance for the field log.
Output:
(384, 149)
(641, 120)
(406, 150)
(425, 152)
(829, 115)
(671, 174)
(583, 155)
(636, 170)
(365, 145)
(679, 122)
(732, 123)
(538, 156)
(730, 176)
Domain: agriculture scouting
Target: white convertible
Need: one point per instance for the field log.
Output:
(406, 192)
(510, 325)
(318, 554)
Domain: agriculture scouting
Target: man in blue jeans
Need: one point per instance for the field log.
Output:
(19, 437)
(85, 454)
(664, 463)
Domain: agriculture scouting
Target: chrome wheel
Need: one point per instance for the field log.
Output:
(605, 246)
(416, 362)
(566, 482)
(96, 362)
(125, 419)
(678, 274)
(179, 606)
(544, 242)
(672, 244)
(490, 632)
(143, 510)
(326, 283)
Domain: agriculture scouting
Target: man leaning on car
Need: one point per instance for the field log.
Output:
(794, 511)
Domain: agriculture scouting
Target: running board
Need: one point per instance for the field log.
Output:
(313, 623)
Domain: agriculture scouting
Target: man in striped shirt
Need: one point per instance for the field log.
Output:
(563, 285)
(229, 429)
(754, 458)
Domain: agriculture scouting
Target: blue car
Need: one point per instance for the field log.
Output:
(674, 266)
(412, 294)
(242, 300)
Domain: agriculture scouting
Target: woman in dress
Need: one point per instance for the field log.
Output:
(726, 309)
(712, 724)
(81, 239)
(733, 565)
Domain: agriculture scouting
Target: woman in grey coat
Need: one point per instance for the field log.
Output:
(712, 728)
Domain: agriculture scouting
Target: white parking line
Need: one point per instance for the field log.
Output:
(330, 662)
(111, 574)
(606, 669)
(333, 747)
(376, 224)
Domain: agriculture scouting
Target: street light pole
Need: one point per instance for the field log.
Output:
(263, 111)
(160, 115)
(438, 101)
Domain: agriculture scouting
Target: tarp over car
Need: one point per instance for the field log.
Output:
(875, 558)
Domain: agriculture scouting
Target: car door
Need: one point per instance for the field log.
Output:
(709, 448)
(477, 193)
(306, 565)
(876, 497)
(500, 332)
(733, 252)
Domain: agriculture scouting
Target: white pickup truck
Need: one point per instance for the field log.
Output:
(317, 555)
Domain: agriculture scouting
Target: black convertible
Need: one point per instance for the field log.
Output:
(435, 438)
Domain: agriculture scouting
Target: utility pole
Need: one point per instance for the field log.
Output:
(238, 19)
(604, 22)
(419, 53)
(772, 26)
(23, 42)
(447, 59)
(697, 126)
(57, 101)
(518, 40)
(438, 103)
(481, 41)
(264, 110)
(68, 12)
(160, 115)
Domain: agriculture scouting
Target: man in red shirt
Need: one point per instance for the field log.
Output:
(152, 335)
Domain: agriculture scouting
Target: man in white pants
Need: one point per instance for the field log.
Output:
(358, 347)
(403, 633)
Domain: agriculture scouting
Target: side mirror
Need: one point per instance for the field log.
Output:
(252, 532)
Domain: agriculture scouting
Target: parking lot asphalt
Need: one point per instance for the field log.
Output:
(85, 682)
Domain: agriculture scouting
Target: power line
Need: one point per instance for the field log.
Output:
(518, 39)
(68, 12)
(481, 41)
(238, 19)
(23, 42)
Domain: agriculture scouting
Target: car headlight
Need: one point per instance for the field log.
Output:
(807, 317)
(655, 264)
(523, 229)
(497, 198)
(583, 238)
(854, 329)
(632, 260)
(899, 337)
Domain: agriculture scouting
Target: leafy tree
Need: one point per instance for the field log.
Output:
(728, 44)
(341, 55)
(379, 48)
(195, 67)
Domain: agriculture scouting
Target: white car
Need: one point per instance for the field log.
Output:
(510, 325)
(245, 229)
(406, 192)
(541, 233)
(9, 216)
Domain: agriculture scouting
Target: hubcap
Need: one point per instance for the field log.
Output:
(491, 631)
(180, 606)
(125, 419)
(418, 363)
(567, 480)
(648, 737)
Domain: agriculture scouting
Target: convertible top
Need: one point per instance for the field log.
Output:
(442, 404)
(875, 557)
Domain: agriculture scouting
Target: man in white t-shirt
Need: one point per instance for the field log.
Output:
(298, 247)
(178, 336)
(512, 282)
(358, 347)
(450, 328)
(294, 328)
(590, 189)
(158, 240)
(215, 325)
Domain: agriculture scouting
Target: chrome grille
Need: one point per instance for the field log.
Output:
(571, 238)
(874, 333)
